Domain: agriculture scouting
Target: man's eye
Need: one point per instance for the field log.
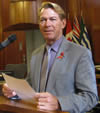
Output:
(42, 20)
(53, 19)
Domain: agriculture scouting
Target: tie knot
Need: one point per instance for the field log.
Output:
(48, 48)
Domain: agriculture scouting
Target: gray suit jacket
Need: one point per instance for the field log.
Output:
(71, 79)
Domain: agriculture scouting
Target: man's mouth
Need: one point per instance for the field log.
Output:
(48, 31)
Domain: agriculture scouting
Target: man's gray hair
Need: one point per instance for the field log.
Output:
(55, 7)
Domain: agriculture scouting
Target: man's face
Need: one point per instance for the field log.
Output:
(51, 26)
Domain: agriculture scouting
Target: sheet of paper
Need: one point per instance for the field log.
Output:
(21, 87)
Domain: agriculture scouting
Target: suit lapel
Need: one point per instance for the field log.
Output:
(64, 48)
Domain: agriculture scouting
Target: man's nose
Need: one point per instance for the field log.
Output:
(48, 22)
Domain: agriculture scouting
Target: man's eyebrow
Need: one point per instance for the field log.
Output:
(53, 17)
(49, 17)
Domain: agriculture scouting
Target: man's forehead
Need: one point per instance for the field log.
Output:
(43, 9)
(48, 12)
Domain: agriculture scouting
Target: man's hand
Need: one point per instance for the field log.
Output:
(7, 91)
(46, 101)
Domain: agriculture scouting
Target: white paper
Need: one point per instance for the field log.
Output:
(21, 87)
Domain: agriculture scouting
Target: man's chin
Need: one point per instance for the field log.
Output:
(50, 41)
(49, 38)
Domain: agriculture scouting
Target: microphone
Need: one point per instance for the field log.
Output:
(8, 41)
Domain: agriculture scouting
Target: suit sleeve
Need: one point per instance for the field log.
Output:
(85, 96)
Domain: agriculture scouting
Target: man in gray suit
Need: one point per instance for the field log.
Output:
(70, 83)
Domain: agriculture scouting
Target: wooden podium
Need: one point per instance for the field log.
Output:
(20, 106)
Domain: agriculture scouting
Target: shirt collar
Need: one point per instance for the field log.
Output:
(56, 45)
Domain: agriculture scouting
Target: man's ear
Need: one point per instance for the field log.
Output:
(64, 23)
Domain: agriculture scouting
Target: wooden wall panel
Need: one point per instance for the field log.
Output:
(15, 53)
(19, 12)
(1, 52)
(0, 22)
(5, 13)
(96, 45)
(23, 12)
(12, 14)
(30, 12)
(91, 9)
(16, 13)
